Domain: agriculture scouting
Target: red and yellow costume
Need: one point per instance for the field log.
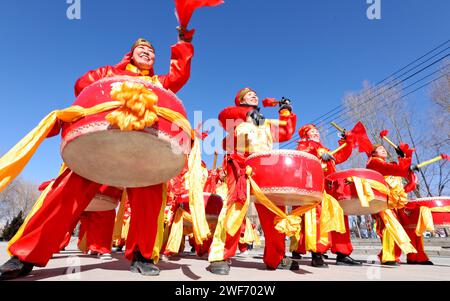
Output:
(393, 173)
(178, 189)
(233, 119)
(64, 201)
(339, 242)
(407, 217)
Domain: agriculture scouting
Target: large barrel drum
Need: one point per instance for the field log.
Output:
(440, 219)
(288, 177)
(102, 153)
(344, 191)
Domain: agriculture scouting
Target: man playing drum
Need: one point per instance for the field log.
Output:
(393, 172)
(70, 194)
(248, 133)
(340, 243)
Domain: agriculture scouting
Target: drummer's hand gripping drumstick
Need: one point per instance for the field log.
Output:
(343, 133)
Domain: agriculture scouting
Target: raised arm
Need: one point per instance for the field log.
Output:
(180, 66)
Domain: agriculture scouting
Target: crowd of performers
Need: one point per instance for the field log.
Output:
(153, 221)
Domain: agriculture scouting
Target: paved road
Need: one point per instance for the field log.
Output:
(73, 265)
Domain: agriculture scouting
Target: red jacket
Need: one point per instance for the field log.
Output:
(400, 169)
(317, 149)
(179, 72)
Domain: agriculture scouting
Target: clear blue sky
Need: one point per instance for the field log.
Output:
(310, 51)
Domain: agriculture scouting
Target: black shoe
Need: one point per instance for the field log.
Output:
(143, 265)
(425, 262)
(296, 255)
(287, 264)
(391, 263)
(14, 268)
(219, 267)
(342, 259)
(317, 261)
(411, 262)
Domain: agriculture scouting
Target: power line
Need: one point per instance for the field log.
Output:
(341, 111)
(389, 76)
(401, 97)
(375, 87)
(416, 82)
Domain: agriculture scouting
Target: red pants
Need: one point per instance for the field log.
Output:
(275, 244)
(340, 242)
(417, 242)
(47, 227)
(98, 226)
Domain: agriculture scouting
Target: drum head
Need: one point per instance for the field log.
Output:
(353, 206)
(124, 159)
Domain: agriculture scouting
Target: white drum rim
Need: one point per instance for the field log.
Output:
(68, 155)
(429, 199)
(287, 152)
(289, 189)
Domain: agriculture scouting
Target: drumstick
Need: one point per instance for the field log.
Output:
(383, 135)
(337, 127)
(339, 148)
(215, 160)
(276, 122)
(435, 159)
(390, 142)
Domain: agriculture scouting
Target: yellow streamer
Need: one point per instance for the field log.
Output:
(118, 224)
(425, 221)
(395, 229)
(196, 201)
(311, 230)
(332, 215)
(176, 232)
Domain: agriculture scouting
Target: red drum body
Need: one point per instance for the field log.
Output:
(213, 205)
(96, 150)
(108, 198)
(345, 193)
(288, 177)
(440, 219)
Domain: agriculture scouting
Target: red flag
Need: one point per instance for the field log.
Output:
(269, 102)
(384, 133)
(185, 9)
(357, 137)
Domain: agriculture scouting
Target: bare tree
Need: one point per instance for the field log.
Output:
(20, 195)
(385, 108)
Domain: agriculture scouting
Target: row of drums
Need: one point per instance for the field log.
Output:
(102, 153)
(295, 178)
